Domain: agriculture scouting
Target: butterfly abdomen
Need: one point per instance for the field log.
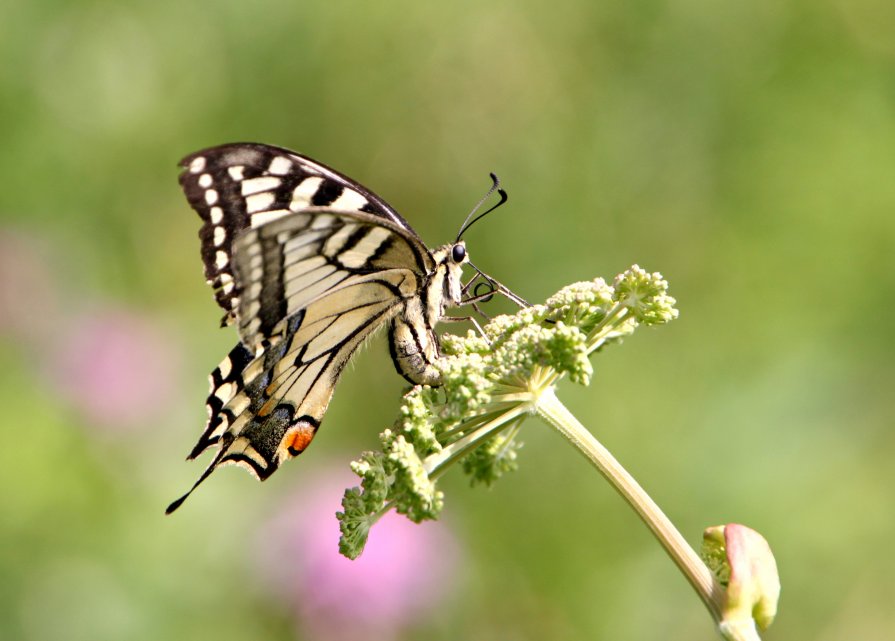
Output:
(414, 346)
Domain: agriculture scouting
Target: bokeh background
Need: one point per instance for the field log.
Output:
(745, 150)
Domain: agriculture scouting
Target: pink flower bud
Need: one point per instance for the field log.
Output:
(744, 564)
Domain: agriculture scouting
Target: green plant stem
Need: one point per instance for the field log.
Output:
(549, 407)
(437, 463)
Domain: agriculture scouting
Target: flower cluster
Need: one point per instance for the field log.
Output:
(491, 383)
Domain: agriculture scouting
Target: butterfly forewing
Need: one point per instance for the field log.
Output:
(237, 186)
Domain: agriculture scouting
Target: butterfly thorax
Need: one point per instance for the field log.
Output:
(412, 339)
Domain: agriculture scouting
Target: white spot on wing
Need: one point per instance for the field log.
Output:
(239, 403)
(221, 259)
(349, 200)
(259, 202)
(235, 172)
(280, 166)
(255, 185)
(226, 367)
(217, 215)
(303, 192)
(211, 196)
(220, 235)
(197, 165)
(225, 391)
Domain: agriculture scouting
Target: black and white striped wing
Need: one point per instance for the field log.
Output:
(309, 284)
(246, 185)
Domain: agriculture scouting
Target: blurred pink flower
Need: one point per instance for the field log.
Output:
(117, 368)
(406, 570)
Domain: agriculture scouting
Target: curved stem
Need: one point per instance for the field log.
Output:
(550, 408)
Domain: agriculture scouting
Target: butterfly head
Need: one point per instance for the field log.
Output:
(450, 260)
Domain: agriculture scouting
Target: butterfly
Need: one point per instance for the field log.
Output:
(308, 264)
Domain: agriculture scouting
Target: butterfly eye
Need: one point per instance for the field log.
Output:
(458, 253)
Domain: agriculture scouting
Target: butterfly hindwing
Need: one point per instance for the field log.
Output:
(276, 402)
(245, 185)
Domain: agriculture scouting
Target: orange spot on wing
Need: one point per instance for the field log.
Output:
(298, 438)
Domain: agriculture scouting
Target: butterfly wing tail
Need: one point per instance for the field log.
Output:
(227, 384)
(208, 470)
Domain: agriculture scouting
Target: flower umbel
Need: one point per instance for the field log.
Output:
(490, 384)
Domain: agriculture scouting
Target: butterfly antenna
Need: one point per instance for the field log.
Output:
(503, 198)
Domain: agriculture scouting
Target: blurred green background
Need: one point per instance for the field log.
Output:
(745, 150)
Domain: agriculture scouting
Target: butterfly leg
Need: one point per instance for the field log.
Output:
(471, 319)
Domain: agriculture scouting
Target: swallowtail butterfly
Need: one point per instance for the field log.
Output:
(307, 264)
